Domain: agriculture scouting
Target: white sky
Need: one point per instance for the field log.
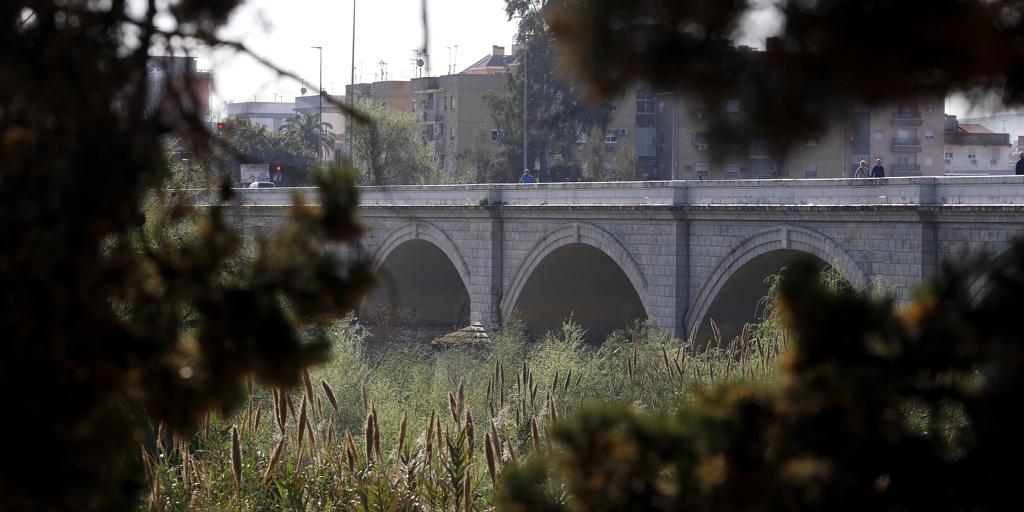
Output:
(386, 30)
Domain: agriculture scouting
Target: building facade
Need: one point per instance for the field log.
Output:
(453, 115)
(974, 149)
(392, 94)
(908, 137)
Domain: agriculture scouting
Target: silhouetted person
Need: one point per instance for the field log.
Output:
(1020, 164)
(862, 171)
(527, 177)
(878, 171)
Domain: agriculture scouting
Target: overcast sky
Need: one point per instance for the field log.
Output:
(386, 30)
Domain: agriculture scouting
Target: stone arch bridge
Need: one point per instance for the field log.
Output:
(678, 252)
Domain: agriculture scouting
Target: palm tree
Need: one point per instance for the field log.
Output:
(308, 129)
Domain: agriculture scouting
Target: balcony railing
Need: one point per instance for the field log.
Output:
(906, 145)
(906, 170)
(906, 119)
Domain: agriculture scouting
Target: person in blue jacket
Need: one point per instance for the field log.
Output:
(527, 177)
(878, 171)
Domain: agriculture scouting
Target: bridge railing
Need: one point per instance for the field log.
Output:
(911, 191)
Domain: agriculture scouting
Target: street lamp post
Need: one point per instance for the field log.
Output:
(320, 102)
(526, 162)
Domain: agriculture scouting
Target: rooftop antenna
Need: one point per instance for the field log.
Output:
(455, 61)
(383, 70)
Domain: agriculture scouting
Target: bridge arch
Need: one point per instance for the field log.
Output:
(591, 244)
(778, 243)
(421, 268)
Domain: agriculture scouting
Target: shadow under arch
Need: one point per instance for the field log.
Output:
(578, 270)
(739, 276)
(422, 280)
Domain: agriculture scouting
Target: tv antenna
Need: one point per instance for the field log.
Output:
(383, 70)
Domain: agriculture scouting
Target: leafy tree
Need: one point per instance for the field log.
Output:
(308, 129)
(389, 150)
(617, 165)
(828, 56)
(253, 143)
(877, 408)
(556, 110)
(112, 325)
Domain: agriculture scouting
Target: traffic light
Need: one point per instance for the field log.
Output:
(277, 168)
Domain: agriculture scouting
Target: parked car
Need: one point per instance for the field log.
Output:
(262, 184)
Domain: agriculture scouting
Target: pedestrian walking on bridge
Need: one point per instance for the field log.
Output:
(527, 177)
(862, 171)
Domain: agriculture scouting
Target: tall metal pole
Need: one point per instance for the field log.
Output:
(526, 162)
(352, 80)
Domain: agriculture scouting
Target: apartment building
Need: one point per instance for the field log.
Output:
(686, 150)
(973, 149)
(169, 77)
(907, 136)
(453, 115)
(393, 94)
(497, 63)
(632, 126)
(270, 114)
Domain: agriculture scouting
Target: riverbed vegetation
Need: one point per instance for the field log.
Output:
(396, 424)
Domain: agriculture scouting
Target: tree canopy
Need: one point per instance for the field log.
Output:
(389, 150)
(112, 326)
(827, 56)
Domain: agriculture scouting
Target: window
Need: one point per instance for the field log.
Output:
(949, 158)
(929, 161)
(903, 134)
(496, 135)
(451, 132)
(453, 102)
(930, 108)
(879, 135)
(732, 106)
(732, 171)
(811, 171)
(972, 156)
(812, 142)
(762, 168)
(700, 141)
(581, 138)
(929, 134)
(702, 169)
(611, 138)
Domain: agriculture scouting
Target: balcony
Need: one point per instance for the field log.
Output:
(901, 170)
(429, 116)
(906, 119)
(906, 145)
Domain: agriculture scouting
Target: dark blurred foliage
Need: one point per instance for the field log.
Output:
(557, 112)
(830, 55)
(877, 408)
(123, 307)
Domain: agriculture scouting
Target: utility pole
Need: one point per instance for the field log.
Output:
(352, 80)
(526, 162)
(320, 102)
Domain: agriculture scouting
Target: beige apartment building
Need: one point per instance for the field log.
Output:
(393, 94)
(687, 151)
(453, 115)
(632, 128)
(908, 137)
